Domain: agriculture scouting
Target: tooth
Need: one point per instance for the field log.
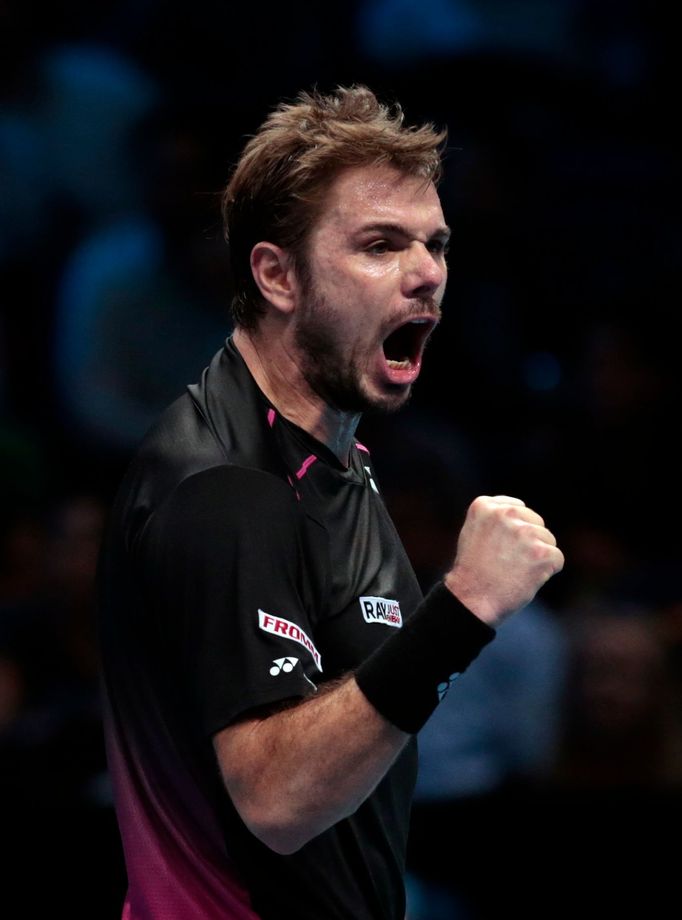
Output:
(418, 322)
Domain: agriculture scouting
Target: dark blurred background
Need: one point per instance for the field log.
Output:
(551, 775)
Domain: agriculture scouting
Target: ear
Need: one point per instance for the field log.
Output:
(274, 274)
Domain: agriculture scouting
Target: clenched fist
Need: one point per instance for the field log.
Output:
(505, 554)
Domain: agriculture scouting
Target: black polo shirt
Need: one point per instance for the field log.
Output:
(244, 565)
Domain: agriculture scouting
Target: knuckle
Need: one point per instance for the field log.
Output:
(540, 551)
(478, 505)
(526, 532)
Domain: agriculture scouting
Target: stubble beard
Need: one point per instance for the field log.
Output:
(331, 374)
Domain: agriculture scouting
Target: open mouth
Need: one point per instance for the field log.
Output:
(403, 347)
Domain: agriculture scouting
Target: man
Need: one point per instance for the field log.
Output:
(268, 657)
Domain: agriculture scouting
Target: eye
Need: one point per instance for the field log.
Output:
(378, 248)
(438, 247)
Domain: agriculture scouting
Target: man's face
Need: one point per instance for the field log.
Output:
(376, 260)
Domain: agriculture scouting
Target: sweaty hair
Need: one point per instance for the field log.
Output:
(277, 188)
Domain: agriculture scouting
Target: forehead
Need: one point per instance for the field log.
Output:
(366, 195)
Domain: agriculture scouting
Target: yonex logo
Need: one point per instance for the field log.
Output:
(443, 687)
(286, 665)
(278, 626)
(381, 610)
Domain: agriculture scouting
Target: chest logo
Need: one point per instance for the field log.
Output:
(278, 626)
(381, 610)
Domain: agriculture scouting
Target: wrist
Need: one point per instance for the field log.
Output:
(407, 676)
(472, 598)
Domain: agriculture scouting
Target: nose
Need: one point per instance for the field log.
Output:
(424, 271)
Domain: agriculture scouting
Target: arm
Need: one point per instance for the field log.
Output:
(293, 774)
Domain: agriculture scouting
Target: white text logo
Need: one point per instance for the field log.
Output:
(381, 610)
(278, 626)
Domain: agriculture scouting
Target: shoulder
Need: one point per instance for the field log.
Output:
(230, 508)
(226, 490)
(229, 525)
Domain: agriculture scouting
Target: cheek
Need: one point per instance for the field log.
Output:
(380, 271)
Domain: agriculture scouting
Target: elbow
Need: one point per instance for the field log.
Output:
(283, 841)
(279, 808)
(281, 831)
(270, 812)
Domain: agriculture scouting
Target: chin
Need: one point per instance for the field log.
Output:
(353, 394)
(387, 402)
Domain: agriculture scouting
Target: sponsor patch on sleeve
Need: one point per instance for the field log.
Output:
(381, 610)
(278, 626)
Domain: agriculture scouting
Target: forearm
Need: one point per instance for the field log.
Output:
(294, 774)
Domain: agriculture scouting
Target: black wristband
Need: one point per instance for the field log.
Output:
(407, 676)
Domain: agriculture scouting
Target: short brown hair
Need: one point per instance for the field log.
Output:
(278, 185)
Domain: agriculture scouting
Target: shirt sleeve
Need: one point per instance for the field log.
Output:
(233, 572)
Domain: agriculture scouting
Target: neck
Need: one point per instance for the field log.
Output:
(277, 371)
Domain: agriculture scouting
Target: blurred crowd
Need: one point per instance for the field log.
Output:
(553, 770)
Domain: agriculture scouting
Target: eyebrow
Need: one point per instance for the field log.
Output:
(443, 232)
